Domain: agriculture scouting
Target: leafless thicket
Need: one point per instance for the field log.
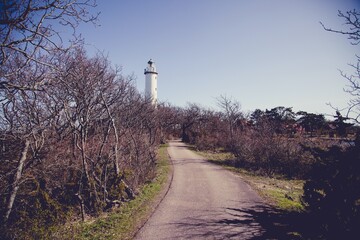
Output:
(76, 136)
(87, 140)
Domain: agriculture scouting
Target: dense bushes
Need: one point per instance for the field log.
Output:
(271, 142)
(271, 154)
(332, 191)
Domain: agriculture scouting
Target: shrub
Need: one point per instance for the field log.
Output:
(332, 191)
(270, 154)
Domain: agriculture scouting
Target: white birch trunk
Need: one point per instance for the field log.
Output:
(17, 177)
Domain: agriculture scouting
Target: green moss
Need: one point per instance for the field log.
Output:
(284, 200)
(36, 216)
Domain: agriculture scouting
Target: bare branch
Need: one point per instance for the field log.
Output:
(352, 23)
(29, 28)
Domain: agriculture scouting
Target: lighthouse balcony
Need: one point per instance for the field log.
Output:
(150, 70)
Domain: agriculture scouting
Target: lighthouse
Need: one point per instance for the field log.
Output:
(151, 82)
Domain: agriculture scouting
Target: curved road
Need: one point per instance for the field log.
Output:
(204, 201)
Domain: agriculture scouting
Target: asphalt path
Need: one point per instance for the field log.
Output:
(204, 201)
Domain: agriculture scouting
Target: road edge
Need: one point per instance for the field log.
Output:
(160, 197)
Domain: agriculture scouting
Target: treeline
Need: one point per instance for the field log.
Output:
(76, 137)
(267, 141)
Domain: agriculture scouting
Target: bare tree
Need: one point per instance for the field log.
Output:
(352, 31)
(24, 120)
(86, 89)
(232, 112)
(169, 120)
(30, 28)
(190, 117)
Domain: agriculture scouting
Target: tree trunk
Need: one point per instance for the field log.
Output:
(83, 156)
(115, 148)
(82, 207)
(17, 177)
(128, 190)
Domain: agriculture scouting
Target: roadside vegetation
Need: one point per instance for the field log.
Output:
(77, 138)
(123, 222)
(312, 172)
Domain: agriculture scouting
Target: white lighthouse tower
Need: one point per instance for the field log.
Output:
(151, 82)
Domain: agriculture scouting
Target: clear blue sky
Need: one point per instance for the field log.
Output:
(262, 53)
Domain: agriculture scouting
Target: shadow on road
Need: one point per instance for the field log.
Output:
(277, 224)
(256, 222)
